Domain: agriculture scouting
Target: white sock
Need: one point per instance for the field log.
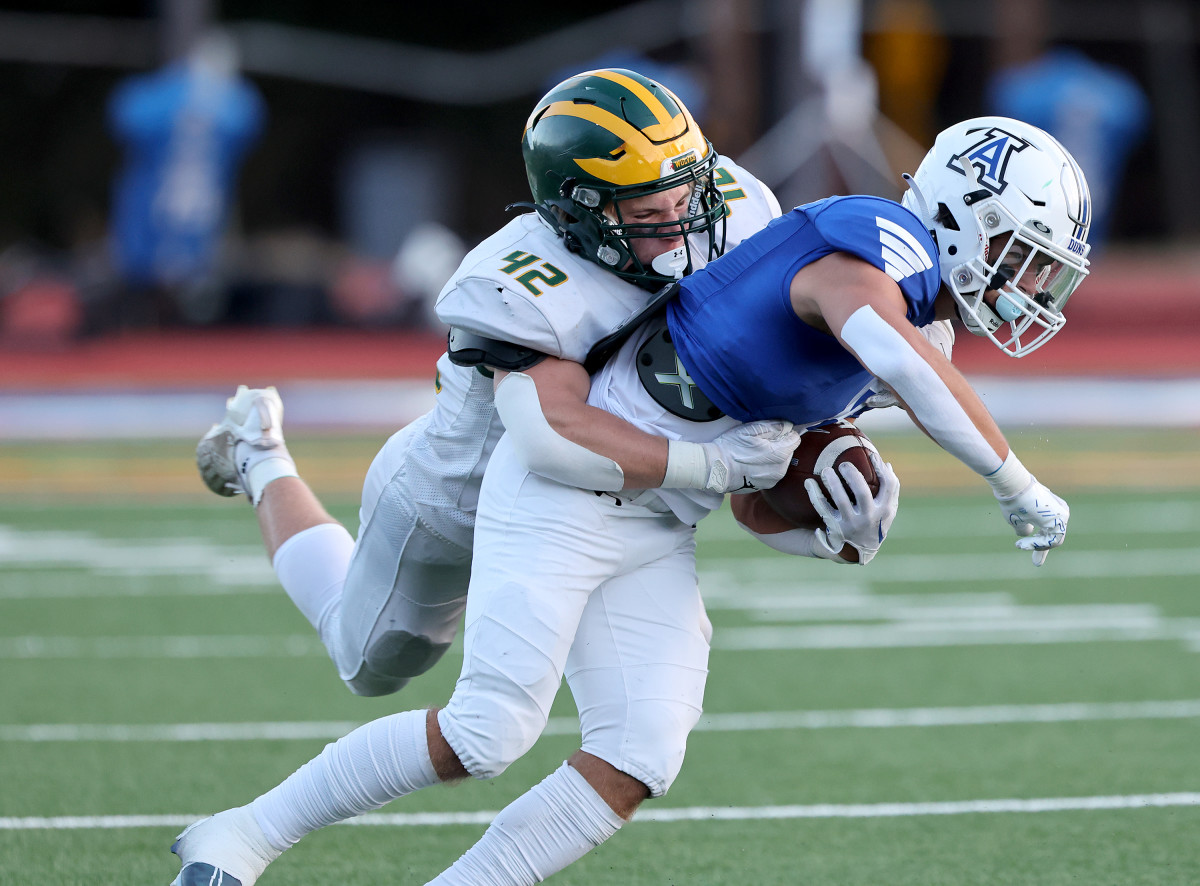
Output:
(547, 828)
(312, 567)
(373, 765)
(232, 841)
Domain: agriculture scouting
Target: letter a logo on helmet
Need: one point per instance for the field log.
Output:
(990, 156)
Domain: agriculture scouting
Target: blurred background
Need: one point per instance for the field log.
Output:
(201, 192)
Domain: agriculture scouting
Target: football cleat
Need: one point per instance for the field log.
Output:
(226, 849)
(253, 416)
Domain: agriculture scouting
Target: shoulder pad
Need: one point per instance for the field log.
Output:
(468, 349)
(603, 350)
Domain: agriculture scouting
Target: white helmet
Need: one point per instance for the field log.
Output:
(1020, 185)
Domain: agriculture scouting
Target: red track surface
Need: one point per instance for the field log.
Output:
(176, 359)
(1136, 317)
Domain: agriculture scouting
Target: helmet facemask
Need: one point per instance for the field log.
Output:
(1031, 276)
(593, 223)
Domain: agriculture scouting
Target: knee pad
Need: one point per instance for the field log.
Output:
(639, 720)
(487, 748)
(502, 701)
(402, 654)
(649, 744)
(368, 684)
(392, 659)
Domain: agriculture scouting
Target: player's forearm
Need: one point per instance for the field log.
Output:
(936, 395)
(556, 434)
(642, 457)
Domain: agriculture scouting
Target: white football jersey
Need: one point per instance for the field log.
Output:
(521, 285)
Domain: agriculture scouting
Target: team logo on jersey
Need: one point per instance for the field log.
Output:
(990, 156)
(903, 254)
(666, 379)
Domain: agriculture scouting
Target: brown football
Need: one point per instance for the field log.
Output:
(827, 446)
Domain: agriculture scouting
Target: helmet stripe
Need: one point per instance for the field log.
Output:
(655, 134)
(660, 111)
(640, 160)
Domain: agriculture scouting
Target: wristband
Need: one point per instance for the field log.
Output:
(264, 472)
(1010, 479)
(687, 466)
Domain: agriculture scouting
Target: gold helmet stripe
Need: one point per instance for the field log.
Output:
(656, 107)
(640, 162)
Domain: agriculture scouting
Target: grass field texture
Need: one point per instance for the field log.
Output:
(946, 715)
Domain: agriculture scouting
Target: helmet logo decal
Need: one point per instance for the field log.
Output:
(684, 160)
(990, 156)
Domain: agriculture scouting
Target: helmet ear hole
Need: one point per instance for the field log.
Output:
(945, 218)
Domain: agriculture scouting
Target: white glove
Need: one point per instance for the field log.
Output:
(744, 458)
(940, 334)
(1039, 517)
(883, 399)
(1037, 514)
(864, 523)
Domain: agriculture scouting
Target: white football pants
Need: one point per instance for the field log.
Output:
(569, 582)
(406, 586)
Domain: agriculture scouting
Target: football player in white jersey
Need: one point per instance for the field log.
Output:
(549, 281)
(628, 197)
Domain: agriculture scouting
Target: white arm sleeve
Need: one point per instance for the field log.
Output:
(542, 449)
(887, 354)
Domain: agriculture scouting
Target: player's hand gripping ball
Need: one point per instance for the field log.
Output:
(820, 448)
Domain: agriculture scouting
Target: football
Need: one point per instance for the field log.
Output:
(819, 448)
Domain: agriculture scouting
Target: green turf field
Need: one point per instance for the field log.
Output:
(946, 715)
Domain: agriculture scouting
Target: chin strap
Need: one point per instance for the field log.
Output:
(990, 319)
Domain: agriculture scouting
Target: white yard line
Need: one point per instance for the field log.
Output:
(668, 814)
(752, 721)
(1023, 627)
(231, 570)
(977, 518)
(26, 556)
(312, 405)
(961, 568)
(171, 647)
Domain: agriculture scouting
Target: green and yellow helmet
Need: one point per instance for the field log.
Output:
(605, 136)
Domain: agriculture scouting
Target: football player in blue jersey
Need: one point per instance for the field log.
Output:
(800, 321)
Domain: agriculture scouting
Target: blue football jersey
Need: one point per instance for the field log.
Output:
(735, 331)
